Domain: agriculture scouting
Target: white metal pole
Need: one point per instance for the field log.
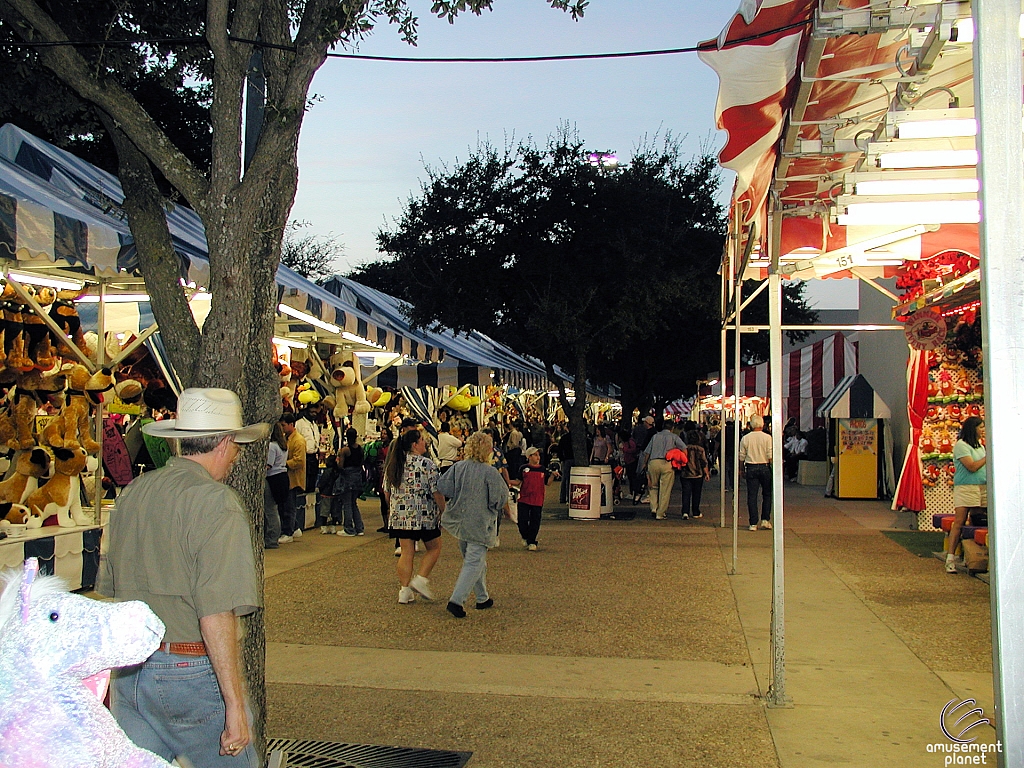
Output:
(997, 96)
(721, 424)
(736, 388)
(777, 689)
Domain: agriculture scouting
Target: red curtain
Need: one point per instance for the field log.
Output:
(910, 490)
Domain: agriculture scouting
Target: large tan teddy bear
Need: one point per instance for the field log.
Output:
(31, 466)
(349, 393)
(59, 502)
(72, 427)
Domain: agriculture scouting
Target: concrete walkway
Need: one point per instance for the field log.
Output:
(683, 657)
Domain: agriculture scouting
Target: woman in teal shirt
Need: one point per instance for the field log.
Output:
(969, 481)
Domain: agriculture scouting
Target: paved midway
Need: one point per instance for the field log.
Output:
(628, 644)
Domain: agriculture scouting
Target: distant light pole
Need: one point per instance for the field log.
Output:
(606, 160)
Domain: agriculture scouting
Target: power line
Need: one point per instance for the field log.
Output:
(197, 40)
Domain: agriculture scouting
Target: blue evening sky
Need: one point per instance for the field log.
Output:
(365, 142)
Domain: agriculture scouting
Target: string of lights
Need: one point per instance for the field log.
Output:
(199, 40)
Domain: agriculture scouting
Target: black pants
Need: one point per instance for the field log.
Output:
(529, 522)
(692, 487)
(759, 476)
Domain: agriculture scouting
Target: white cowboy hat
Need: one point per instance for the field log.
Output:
(206, 412)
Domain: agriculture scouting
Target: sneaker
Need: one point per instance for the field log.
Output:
(285, 540)
(406, 595)
(422, 585)
(531, 547)
(488, 603)
(950, 565)
(360, 534)
(297, 533)
(497, 542)
(345, 533)
(766, 525)
(645, 499)
(398, 551)
(456, 610)
(332, 529)
(524, 542)
(752, 528)
(685, 516)
(698, 516)
(323, 530)
(660, 517)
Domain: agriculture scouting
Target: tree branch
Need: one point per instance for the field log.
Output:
(32, 24)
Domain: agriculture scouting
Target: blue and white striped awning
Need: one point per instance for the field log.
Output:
(56, 209)
(853, 398)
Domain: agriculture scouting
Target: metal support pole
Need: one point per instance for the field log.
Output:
(777, 689)
(997, 98)
(736, 388)
(101, 358)
(721, 427)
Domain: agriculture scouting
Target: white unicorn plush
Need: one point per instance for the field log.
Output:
(56, 650)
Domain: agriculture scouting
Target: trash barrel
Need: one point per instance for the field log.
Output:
(585, 493)
(607, 489)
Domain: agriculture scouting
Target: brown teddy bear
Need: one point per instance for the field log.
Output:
(59, 501)
(72, 427)
(31, 466)
(65, 315)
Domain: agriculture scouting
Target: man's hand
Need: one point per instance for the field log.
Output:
(236, 735)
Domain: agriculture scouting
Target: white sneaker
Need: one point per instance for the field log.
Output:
(344, 533)
(421, 584)
(686, 516)
(398, 551)
(406, 595)
(752, 528)
(285, 540)
(950, 565)
(531, 547)
(524, 542)
(766, 525)
(297, 534)
(323, 530)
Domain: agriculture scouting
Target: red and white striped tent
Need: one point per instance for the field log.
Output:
(809, 374)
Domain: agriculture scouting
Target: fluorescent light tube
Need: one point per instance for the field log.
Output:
(937, 158)
(306, 318)
(933, 212)
(60, 283)
(916, 186)
(290, 343)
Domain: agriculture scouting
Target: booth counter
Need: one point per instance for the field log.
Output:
(71, 553)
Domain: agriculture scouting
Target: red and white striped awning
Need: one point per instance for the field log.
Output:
(809, 374)
(793, 73)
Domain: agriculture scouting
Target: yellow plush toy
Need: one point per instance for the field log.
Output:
(59, 502)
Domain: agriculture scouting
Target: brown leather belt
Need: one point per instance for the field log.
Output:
(184, 649)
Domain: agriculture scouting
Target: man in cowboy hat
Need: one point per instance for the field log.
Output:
(179, 541)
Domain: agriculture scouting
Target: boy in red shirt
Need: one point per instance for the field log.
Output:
(532, 479)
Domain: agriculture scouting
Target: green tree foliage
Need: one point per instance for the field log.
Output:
(315, 257)
(559, 257)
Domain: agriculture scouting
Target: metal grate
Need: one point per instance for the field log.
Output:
(297, 753)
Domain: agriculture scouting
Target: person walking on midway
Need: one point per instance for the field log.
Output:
(532, 480)
(660, 476)
(415, 504)
(756, 464)
(296, 463)
(179, 541)
(477, 496)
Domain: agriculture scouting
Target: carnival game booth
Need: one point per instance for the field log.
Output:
(851, 128)
(860, 451)
(63, 231)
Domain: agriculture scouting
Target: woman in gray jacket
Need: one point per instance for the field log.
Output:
(476, 497)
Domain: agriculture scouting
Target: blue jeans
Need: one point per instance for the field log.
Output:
(350, 510)
(171, 705)
(473, 576)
